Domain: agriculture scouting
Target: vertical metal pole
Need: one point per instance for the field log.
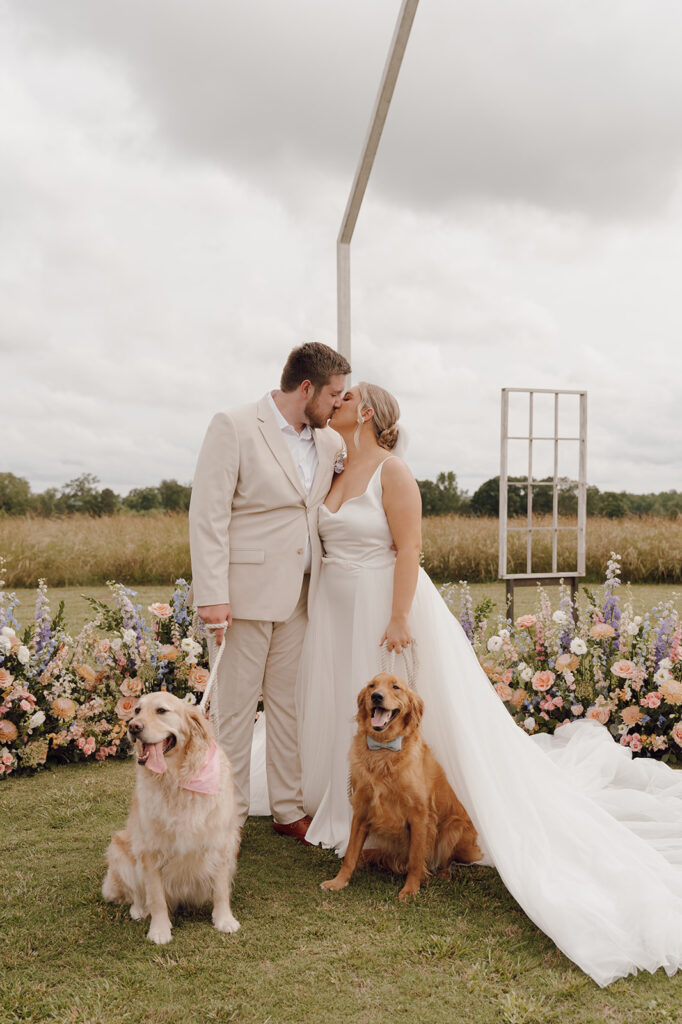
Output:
(582, 483)
(369, 150)
(529, 535)
(504, 433)
(555, 485)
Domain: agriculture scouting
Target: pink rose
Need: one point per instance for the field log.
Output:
(677, 733)
(577, 709)
(162, 611)
(635, 742)
(624, 669)
(525, 622)
(125, 707)
(24, 705)
(507, 676)
(599, 714)
(566, 662)
(198, 677)
(651, 700)
(503, 691)
(542, 681)
(132, 687)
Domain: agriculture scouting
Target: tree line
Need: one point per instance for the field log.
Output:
(442, 496)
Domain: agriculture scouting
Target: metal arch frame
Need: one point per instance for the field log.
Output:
(530, 578)
(369, 151)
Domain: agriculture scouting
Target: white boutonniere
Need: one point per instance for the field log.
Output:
(339, 461)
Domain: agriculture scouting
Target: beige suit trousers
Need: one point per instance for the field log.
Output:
(262, 658)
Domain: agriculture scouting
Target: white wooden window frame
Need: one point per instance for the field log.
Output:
(530, 577)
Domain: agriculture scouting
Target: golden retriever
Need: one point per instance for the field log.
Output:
(400, 793)
(180, 842)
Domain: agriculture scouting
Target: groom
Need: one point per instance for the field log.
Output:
(262, 472)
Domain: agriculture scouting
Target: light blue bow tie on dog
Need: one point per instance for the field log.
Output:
(395, 744)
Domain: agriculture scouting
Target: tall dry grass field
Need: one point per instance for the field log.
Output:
(79, 551)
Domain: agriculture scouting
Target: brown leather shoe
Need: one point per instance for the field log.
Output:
(295, 829)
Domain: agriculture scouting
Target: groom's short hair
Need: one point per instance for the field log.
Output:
(314, 362)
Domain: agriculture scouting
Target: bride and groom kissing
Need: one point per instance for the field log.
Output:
(316, 573)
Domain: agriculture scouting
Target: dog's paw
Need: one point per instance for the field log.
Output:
(333, 885)
(407, 891)
(159, 932)
(226, 922)
(137, 913)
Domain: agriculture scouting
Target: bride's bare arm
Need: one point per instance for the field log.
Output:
(403, 508)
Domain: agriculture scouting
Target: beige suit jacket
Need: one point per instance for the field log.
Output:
(249, 516)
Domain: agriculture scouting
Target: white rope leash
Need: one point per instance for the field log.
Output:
(212, 627)
(411, 658)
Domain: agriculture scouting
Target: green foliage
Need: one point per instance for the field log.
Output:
(15, 494)
(442, 496)
(110, 618)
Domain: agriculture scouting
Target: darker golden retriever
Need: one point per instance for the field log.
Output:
(400, 793)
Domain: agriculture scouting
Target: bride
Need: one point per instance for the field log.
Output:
(588, 841)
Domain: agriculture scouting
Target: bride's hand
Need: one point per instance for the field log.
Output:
(397, 635)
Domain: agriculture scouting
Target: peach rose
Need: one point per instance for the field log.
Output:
(168, 652)
(602, 631)
(62, 707)
(88, 675)
(6, 677)
(543, 680)
(651, 700)
(132, 687)
(162, 611)
(8, 731)
(671, 691)
(125, 707)
(503, 691)
(624, 669)
(518, 697)
(525, 622)
(631, 716)
(677, 733)
(198, 677)
(599, 714)
(567, 662)
(636, 742)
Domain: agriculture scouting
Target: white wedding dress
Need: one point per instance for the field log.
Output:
(587, 840)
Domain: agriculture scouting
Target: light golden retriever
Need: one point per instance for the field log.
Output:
(180, 844)
(401, 796)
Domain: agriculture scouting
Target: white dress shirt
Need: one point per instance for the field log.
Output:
(304, 454)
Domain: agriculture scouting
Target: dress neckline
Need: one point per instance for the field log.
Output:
(357, 496)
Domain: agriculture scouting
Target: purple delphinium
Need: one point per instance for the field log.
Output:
(466, 612)
(664, 634)
(181, 613)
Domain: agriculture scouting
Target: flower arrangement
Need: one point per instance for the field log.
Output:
(597, 660)
(65, 699)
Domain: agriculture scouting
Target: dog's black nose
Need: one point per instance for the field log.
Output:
(377, 697)
(134, 727)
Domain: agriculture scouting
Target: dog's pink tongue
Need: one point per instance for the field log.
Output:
(156, 762)
(380, 717)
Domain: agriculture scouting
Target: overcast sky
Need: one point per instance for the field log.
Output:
(173, 177)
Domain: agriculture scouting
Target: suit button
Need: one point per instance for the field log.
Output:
(300, 551)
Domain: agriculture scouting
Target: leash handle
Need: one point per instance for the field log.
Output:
(211, 627)
(409, 655)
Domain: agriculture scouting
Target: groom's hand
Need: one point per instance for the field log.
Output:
(216, 613)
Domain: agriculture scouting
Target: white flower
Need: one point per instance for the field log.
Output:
(578, 646)
(633, 628)
(529, 724)
(129, 637)
(527, 674)
(190, 647)
(23, 655)
(5, 644)
(504, 634)
(37, 719)
(116, 643)
(665, 663)
(637, 620)
(560, 617)
(189, 698)
(7, 631)
(495, 643)
(662, 676)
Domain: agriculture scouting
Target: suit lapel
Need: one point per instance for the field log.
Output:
(277, 444)
(325, 443)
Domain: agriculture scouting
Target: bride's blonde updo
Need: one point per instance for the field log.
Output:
(386, 414)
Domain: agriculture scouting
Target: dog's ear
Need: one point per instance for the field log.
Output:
(416, 712)
(362, 705)
(198, 723)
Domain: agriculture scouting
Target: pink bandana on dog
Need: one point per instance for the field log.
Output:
(206, 780)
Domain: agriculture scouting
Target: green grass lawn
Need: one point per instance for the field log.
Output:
(78, 611)
(461, 951)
